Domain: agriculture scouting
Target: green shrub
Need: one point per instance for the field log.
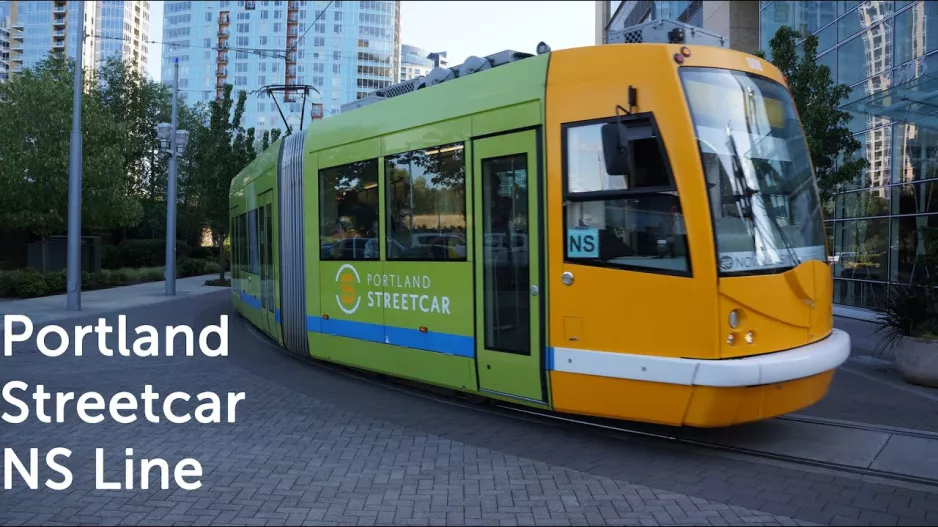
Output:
(27, 283)
(191, 267)
(212, 268)
(219, 283)
(56, 282)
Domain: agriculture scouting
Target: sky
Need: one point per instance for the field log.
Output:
(466, 28)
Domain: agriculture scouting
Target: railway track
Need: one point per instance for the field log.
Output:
(655, 435)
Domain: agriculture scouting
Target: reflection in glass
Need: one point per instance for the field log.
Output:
(910, 247)
(916, 153)
(643, 232)
(916, 31)
(427, 204)
(861, 249)
(867, 295)
(875, 145)
(871, 202)
(348, 211)
(915, 198)
(506, 266)
(763, 196)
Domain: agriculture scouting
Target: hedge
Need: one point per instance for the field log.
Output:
(30, 283)
(152, 253)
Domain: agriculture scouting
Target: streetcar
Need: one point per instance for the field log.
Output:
(627, 231)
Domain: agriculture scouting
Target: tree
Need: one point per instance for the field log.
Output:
(220, 151)
(817, 99)
(34, 156)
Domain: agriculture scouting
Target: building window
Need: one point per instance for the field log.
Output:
(348, 211)
(426, 214)
(633, 222)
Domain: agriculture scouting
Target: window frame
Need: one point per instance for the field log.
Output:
(637, 121)
(321, 194)
(388, 196)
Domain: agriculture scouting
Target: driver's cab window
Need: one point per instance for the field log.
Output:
(633, 221)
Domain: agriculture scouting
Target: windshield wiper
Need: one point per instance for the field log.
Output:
(746, 196)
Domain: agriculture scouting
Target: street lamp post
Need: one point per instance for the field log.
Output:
(172, 141)
(73, 276)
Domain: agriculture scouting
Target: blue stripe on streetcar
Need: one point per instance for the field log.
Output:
(447, 343)
(250, 301)
(549, 358)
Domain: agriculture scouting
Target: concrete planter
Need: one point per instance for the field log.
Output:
(917, 361)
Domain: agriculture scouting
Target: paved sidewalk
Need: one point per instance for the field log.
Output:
(313, 447)
(294, 458)
(100, 301)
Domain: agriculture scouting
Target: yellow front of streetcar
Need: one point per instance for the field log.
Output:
(687, 271)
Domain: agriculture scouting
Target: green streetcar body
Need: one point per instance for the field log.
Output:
(426, 332)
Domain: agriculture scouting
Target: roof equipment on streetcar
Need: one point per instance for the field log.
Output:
(662, 31)
(438, 75)
(666, 31)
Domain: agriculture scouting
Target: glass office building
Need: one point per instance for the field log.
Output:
(344, 52)
(876, 48)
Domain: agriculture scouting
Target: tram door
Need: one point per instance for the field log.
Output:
(507, 265)
(265, 243)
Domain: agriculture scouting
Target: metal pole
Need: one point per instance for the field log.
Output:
(171, 195)
(73, 301)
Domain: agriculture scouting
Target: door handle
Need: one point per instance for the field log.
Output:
(534, 290)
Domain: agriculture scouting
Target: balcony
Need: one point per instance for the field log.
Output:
(58, 21)
(58, 44)
(222, 72)
(293, 19)
(223, 58)
(293, 5)
(60, 9)
(58, 33)
(223, 18)
(223, 32)
(291, 57)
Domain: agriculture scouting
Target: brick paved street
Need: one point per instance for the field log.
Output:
(314, 447)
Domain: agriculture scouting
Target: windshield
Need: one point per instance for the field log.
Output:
(765, 208)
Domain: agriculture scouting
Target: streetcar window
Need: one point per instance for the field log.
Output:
(426, 213)
(348, 211)
(252, 229)
(632, 221)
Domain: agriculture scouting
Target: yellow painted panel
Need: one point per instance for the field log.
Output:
(627, 311)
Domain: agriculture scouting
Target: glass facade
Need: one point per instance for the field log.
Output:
(125, 29)
(873, 226)
(637, 12)
(352, 49)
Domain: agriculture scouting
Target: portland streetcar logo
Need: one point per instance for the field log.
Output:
(349, 299)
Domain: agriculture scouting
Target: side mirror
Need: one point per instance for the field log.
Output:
(616, 149)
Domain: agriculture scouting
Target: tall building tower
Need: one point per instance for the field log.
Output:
(123, 31)
(344, 52)
(417, 61)
(50, 26)
(32, 30)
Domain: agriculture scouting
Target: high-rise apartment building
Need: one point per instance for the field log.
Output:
(124, 29)
(417, 61)
(738, 22)
(51, 26)
(886, 50)
(36, 28)
(344, 52)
